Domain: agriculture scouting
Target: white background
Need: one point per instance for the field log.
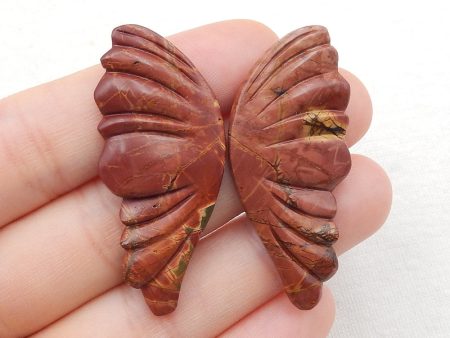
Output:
(396, 284)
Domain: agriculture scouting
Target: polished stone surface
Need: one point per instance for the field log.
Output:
(287, 154)
(164, 154)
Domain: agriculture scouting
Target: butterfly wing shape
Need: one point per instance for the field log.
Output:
(287, 154)
(164, 154)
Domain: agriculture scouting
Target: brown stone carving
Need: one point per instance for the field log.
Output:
(164, 154)
(287, 154)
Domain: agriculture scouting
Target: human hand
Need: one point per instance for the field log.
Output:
(60, 266)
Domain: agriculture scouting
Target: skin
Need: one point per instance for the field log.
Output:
(59, 242)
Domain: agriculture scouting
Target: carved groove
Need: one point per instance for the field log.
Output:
(279, 52)
(160, 47)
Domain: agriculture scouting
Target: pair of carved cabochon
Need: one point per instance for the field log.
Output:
(165, 152)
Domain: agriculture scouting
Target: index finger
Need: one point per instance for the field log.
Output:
(49, 142)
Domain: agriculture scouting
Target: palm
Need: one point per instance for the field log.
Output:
(61, 261)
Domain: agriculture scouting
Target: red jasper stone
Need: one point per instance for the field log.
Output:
(287, 154)
(164, 154)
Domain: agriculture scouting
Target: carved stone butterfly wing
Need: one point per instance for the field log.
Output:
(287, 154)
(164, 154)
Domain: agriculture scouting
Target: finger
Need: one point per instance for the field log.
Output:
(368, 202)
(359, 109)
(279, 318)
(52, 278)
(230, 276)
(48, 138)
(82, 261)
(49, 142)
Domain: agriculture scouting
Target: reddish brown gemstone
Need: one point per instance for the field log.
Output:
(287, 154)
(164, 154)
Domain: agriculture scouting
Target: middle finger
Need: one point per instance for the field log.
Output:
(217, 294)
(58, 260)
